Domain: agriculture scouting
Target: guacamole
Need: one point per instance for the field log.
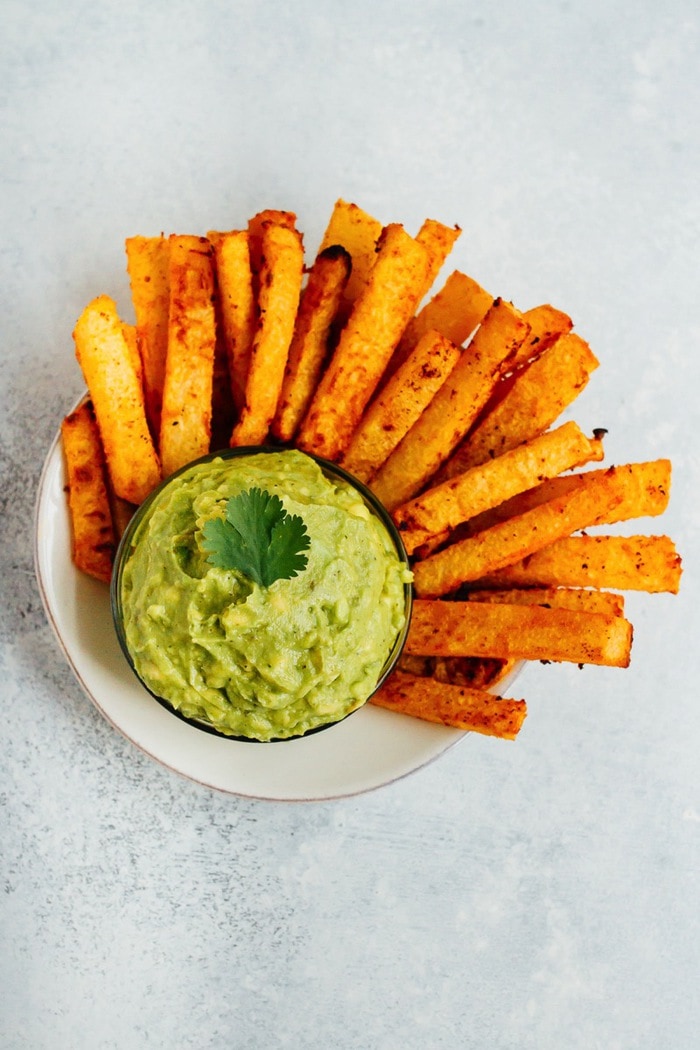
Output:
(252, 661)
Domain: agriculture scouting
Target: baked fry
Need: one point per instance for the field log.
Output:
(555, 598)
(438, 240)
(309, 350)
(366, 343)
(185, 429)
(93, 536)
(147, 266)
(282, 269)
(519, 632)
(117, 396)
(237, 302)
(453, 409)
(644, 490)
(256, 226)
(357, 232)
(391, 415)
(526, 404)
(481, 488)
(454, 311)
(510, 541)
(451, 705)
(547, 325)
(627, 563)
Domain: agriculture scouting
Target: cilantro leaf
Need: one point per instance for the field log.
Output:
(258, 537)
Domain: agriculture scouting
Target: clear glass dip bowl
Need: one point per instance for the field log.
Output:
(332, 472)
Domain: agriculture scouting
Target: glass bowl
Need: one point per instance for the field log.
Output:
(332, 472)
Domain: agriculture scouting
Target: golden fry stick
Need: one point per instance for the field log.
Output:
(131, 339)
(147, 266)
(366, 344)
(238, 306)
(94, 540)
(644, 490)
(438, 240)
(453, 409)
(185, 429)
(395, 410)
(451, 705)
(526, 404)
(555, 598)
(454, 311)
(309, 350)
(107, 364)
(510, 541)
(634, 563)
(519, 632)
(281, 272)
(547, 325)
(357, 232)
(483, 487)
(256, 226)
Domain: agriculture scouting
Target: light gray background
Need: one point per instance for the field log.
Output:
(536, 894)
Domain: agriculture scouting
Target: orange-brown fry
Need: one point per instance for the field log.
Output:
(237, 303)
(520, 632)
(93, 536)
(358, 232)
(147, 266)
(451, 705)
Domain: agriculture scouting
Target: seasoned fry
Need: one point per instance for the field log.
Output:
(185, 429)
(94, 540)
(438, 240)
(520, 632)
(357, 232)
(398, 406)
(147, 266)
(634, 563)
(106, 361)
(555, 598)
(256, 227)
(366, 344)
(481, 488)
(510, 541)
(476, 672)
(644, 490)
(547, 325)
(281, 273)
(526, 404)
(452, 705)
(454, 311)
(238, 306)
(131, 339)
(308, 353)
(453, 409)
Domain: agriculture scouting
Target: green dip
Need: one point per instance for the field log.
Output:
(253, 661)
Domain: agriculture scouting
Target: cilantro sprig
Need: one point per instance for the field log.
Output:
(258, 537)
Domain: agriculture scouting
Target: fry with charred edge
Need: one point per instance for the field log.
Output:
(644, 489)
(185, 428)
(256, 225)
(512, 540)
(238, 306)
(526, 404)
(94, 541)
(106, 361)
(320, 302)
(147, 266)
(628, 563)
(357, 232)
(520, 632)
(396, 409)
(483, 487)
(475, 672)
(547, 325)
(453, 409)
(438, 240)
(281, 272)
(454, 311)
(452, 705)
(366, 343)
(555, 598)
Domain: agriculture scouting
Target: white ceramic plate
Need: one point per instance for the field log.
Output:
(371, 748)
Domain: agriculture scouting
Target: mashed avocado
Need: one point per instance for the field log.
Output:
(254, 661)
